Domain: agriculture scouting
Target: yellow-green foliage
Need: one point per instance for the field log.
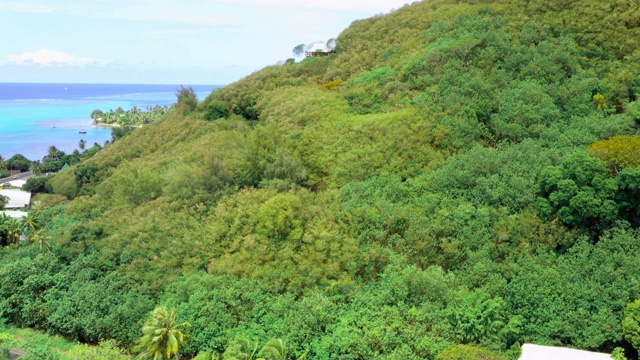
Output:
(468, 352)
(287, 238)
(619, 151)
(359, 146)
(332, 84)
(600, 101)
(65, 184)
(48, 200)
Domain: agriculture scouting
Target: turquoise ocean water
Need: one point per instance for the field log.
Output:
(34, 117)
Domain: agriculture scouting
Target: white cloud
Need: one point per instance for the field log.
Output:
(52, 58)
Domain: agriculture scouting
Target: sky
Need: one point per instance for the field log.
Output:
(164, 41)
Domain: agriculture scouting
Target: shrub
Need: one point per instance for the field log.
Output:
(217, 110)
(187, 98)
(36, 184)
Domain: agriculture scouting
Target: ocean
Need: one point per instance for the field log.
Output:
(34, 117)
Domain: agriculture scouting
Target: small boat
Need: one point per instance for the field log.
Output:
(83, 131)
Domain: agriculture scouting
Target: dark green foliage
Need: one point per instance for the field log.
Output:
(36, 184)
(85, 174)
(583, 193)
(10, 230)
(18, 162)
(186, 98)
(97, 114)
(118, 132)
(217, 110)
(476, 317)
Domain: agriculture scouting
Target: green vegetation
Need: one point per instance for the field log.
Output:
(127, 118)
(162, 336)
(458, 179)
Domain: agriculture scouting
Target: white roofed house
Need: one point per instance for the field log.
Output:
(18, 199)
(539, 352)
(318, 48)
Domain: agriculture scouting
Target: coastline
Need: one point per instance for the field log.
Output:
(99, 125)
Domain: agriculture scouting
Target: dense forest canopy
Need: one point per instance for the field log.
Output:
(460, 177)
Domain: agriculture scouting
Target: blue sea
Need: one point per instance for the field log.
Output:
(34, 117)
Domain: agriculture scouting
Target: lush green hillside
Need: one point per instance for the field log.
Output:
(445, 178)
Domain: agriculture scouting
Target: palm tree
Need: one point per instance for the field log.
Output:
(241, 349)
(274, 350)
(12, 228)
(35, 167)
(298, 50)
(162, 336)
(207, 355)
(33, 224)
(3, 163)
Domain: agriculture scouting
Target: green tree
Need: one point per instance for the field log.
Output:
(186, 98)
(85, 173)
(36, 184)
(33, 225)
(19, 162)
(162, 335)
(10, 230)
(119, 132)
(580, 192)
(477, 317)
(36, 167)
(82, 144)
(275, 350)
(217, 110)
(53, 154)
(619, 151)
(241, 349)
(631, 324)
(298, 50)
(97, 114)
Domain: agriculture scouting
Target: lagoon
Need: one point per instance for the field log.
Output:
(34, 117)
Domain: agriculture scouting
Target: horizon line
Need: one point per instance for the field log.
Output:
(106, 83)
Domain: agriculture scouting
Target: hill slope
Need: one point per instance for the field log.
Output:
(430, 184)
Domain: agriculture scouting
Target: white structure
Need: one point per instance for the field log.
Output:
(539, 352)
(318, 48)
(15, 214)
(17, 183)
(18, 199)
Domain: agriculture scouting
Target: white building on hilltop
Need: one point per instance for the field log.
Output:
(318, 48)
(539, 352)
